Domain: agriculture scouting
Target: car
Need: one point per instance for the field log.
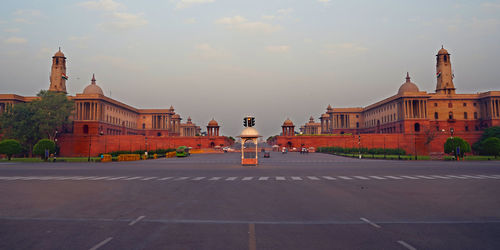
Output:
(267, 155)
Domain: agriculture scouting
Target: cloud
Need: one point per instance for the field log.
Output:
(15, 40)
(102, 5)
(188, 3)
(489, 5)
(190, 20)
(11, 30)
(242, 24)
(206, 51)
(285, 12)
(278, 48)
(124, 21)
(334, 48)
(26, 16)
(268, 17)
(324, 1)
(118, 62)
(116, 20)
(80, 41)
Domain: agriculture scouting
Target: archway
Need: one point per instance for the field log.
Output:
(85, 129)
(417, 127)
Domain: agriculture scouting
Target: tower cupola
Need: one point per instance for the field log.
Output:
(444, 74)
(58, 73)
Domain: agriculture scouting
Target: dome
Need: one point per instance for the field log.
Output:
(408, 86)
(213, 123)
(325, 116)
(443, 51)
(249, 132)
(287, 123)
(59, 53)
(176, 116)
(329, 107)
(92, 88)
(311, 120)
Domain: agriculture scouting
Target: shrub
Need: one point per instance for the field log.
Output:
(10, 147)
(42, 145)
(491, 146)
(453, 143)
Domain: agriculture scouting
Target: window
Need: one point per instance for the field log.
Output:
(450, 105)
(450, 115)
(435, 104)
(85, 129)
(437, 128)
(465, 104)
(475, 115)
(417, 127)
(144, 126)
(357, 116)
(466, 128)
(475, 104)
(465, 115)
(436, 116)
(357, 124)
(445, 58)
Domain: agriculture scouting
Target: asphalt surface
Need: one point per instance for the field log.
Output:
(292, 201)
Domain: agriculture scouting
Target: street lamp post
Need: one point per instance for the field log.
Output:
(359, 146)
(90, 145)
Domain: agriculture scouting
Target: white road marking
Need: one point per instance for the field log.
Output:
(133, 178)
(329, 177)
(102, 243)
(136, 220)
(215, 178)
(409, 177)
(181, 178)
(86, 178)
(263, 178)
(231, 178)
(165, 178)
(100, 178)
(117, 178)
(393, 177)
(247, 178)
(361, 177)
(440, 177)
(148, 178)
(345, 177)
(369, 222)
(280, 178)
(425, 177)
(408, 246)
(377, 177)
(489, 176)
(454, 176)
(198, 178)
(314, 178)
(296, 178)
(474, 177)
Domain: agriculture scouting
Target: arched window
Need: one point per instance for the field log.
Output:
(475, 115)
(85, 129)
(436, 116)
(465, 115)
(417, 127)
(144, 126)
(445, 58)
(450, 115)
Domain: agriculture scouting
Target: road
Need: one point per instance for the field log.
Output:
(292, 201)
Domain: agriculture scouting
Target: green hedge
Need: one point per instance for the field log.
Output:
(160, 152)
(373, 151)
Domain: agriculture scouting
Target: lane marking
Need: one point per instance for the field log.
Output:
(263, 178)
(454, 176)
(280, 178)
(198, 178)
(409, 177)
(408, 246)
(474, 177)
(440, 177)
(181, 178)
(117, 178)
(393, 177)
(231, 178)
(133, 178)
(345, 177)
(329, 178)
(314, 178)
(296, 178)
(100, 178)
(247, 178)
(361, 177)
(489, 176)
(102, 243)
(377, 177)
(252, 242)
(148, 178)
(136, 220)
(215, 178)
(425, 177)
(369, 222)
(165, 178)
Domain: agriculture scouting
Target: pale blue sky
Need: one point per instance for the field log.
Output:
(271, 59)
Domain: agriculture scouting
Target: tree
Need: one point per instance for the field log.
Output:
(453, 143)
(491, 146)
(42, 145)
(488, 133)
(10, 147)
(41, 118)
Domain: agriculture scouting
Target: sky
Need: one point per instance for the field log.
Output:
(272, 59)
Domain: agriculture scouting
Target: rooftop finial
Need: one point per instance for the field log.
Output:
(407, 77)
(93, 78)
(59, 48)
(442, 47)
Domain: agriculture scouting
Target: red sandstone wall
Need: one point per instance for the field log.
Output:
(409, 142)
(78, 145)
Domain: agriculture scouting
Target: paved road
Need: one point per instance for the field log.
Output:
(293, 201)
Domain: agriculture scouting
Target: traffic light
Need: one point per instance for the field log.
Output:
(245, 124)
(252, 121)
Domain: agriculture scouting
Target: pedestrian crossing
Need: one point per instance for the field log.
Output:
(252, 178)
